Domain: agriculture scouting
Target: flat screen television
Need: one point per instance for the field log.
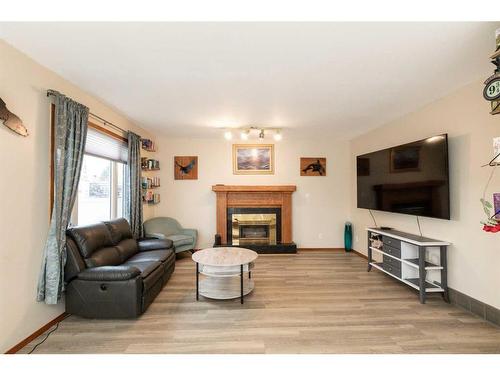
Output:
(408, 179)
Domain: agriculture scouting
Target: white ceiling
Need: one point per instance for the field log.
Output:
(312, 79)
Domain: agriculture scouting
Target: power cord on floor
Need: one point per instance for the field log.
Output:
(47, 336)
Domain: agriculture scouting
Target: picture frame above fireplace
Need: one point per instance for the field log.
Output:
(253, 159)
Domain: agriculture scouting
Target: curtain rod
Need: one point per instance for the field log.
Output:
(105, 122)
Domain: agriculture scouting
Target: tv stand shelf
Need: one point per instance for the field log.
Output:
(416, 261)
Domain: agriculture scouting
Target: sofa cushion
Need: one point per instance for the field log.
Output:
(106, 256)
(146, 267)
(153, 255)
(119, 230)
(127, 248)
(89, 238)
(180, 239)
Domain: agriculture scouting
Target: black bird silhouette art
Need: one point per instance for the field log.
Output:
(187, 168)
(315, 167)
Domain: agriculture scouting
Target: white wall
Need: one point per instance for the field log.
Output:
(24, 191)
(474, 257)
(320, 204)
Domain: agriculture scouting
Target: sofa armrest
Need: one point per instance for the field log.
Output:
(190, 232)
(151, 243)
(109, 273)
(156, 235)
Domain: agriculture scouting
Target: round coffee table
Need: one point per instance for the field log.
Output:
(223, 268)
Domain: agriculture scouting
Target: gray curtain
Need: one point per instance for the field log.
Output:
(132, 194)
(71, 119)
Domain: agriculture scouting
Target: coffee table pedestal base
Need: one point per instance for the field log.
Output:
(225, 287)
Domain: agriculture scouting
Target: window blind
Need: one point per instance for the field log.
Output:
(104, 146)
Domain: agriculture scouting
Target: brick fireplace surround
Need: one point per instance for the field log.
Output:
(241, 196)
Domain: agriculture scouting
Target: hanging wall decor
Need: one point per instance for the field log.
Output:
(496, 152)
(313, 166)
(491, 90)
(253, 159)
(186, 167)
(11, 121)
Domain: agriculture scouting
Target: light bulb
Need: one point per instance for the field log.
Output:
(244, 135)
(278, 136)
(228, 135)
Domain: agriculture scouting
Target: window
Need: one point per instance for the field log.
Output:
(100, 190)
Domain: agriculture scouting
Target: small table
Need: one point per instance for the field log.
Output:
(223, 268)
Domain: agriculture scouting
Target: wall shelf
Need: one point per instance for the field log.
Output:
(148, 145)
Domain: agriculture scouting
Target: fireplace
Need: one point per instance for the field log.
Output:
(255, 217)
(254, 226)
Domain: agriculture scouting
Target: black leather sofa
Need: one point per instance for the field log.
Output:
(109, 274)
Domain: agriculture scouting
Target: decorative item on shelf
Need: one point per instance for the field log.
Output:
(491, 90)
(150, 198)
(185, 167)
(11, 121)
(376, 241)
(148, 145)
(253, 159)
(313, 166)
(149, 164)
(150, 182)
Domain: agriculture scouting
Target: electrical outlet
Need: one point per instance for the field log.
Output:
(320, 236)
(356, 239)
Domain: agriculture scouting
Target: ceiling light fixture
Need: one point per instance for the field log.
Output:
(277, 136)
(244, 134)
(248, 132)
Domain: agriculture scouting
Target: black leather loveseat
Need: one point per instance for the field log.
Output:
(109, 274)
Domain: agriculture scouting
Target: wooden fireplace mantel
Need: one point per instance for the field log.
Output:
(253, 188)
(255, 196)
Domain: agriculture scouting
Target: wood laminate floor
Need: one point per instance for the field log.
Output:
(312, 302)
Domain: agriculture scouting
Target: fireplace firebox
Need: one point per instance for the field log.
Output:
(253, 229)
(253, 226)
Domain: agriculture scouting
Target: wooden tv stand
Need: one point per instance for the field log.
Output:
(417, 261)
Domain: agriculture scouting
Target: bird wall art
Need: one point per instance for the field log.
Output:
(186, 167)
(11, 121)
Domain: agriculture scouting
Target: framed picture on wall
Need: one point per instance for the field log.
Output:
(185, 167)
(253, 159)
(313, 166)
